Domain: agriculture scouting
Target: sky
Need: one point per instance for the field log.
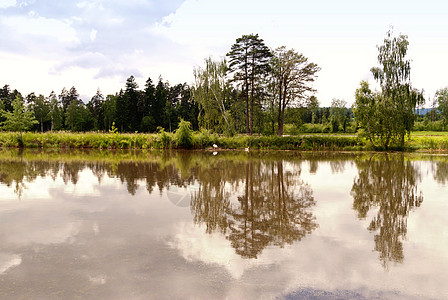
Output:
(47, 45)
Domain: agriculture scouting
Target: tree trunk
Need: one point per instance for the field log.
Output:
(247, 113)
(252, 88)
(281, 107)
(246, 82)
(251, 116)
(252, 106)
(280, 123)
(280, 116)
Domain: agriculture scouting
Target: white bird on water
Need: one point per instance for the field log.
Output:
(246, 149)
(215, 146)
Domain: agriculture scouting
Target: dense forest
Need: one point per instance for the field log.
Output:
(253, 90)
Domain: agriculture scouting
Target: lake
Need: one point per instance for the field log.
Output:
(222, 225)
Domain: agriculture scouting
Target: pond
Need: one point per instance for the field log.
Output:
(223, 225)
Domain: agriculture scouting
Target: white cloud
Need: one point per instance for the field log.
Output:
(86, 44)
(7, 3)
(93, 35)
(194, 245)
(341, 37)
(34, 28)
(90, 5)
(176, 36)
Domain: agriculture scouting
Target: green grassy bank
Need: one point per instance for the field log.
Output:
(205, 140)
(164, 140)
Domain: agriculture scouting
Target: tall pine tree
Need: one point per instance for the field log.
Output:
(249, 62)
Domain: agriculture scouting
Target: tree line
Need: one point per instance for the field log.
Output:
(252, 93)
(253, 89)
(129, 110)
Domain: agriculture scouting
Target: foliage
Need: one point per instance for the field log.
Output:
(204, 139)
(165, 139)
(184, 135)
(55, 112)
(113, 129)
(41, 108)
(249, 63)
(388, 116)
(442, 100)
(435, 141)
(259, 91)
(18, 120)
(78, 117)
(339, 115)
(211, 92)
(313, 105)
(292, 75)
(95, 110)
(429, 126)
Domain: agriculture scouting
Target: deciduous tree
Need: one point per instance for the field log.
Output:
(442, 101)
(292, 75)
(19, 119)
(211, 92)
(41, 109)
(55, 112)
(339, 115)
(394, 108)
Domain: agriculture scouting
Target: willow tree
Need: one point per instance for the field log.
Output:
(210, 91)
(292, 77)
(393, 108)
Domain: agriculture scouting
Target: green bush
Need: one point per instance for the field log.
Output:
(165, 139)
(184, 135)
(202, 139)
(429, 126)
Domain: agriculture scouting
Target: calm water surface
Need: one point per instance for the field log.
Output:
(234, 225)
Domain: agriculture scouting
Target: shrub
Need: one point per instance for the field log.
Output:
(184, 135)
(202, 139)
(165, 138)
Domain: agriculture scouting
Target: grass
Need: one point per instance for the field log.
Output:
(430, 133)
(419, 141)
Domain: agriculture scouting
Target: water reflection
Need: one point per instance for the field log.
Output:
(253, 202)
(103, 225)
(390, 185)
(274, 206)
(441, 172)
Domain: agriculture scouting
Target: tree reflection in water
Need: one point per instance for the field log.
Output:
(441, 172)
(271, 207)
(391, 186)
(274, 206)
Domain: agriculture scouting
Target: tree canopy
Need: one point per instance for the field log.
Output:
(249, 62)
(19, 119)
(388, 116)
(292, 75)
(442, 102)
(211, 91)
(253, 89)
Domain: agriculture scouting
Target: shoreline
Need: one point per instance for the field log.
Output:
(204, 140)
